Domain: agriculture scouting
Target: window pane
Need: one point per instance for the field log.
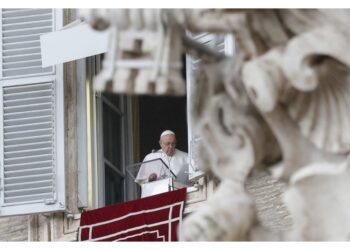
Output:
(114, 99)
(114, 187)
(112, 136)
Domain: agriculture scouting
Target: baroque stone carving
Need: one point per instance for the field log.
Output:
(144, 55)
(280, 103)
(297, 78)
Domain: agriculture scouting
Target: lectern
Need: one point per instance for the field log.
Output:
(153, 176)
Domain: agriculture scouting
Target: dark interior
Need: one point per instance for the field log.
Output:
(159, 113)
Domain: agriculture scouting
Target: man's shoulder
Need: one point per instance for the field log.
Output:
(152, 155)
(181, 153)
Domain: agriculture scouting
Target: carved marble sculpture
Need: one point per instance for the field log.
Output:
(297, 77)
(282, 100)
(144, 55)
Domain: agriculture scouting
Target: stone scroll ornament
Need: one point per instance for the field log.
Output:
(144, 54)
(280, 104)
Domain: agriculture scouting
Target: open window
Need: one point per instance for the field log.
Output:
(127, 129)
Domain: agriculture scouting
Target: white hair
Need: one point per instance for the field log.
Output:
(167, 132)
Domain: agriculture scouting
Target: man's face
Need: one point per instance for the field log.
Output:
(168, 143)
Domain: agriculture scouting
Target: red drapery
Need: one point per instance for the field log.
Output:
(153, 218)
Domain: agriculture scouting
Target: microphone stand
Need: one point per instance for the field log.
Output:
(170, 184)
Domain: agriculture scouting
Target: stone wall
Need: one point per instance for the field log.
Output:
(14, 228)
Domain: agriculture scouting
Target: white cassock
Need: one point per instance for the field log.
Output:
(178, 164)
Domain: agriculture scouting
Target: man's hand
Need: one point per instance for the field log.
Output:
(152, 177)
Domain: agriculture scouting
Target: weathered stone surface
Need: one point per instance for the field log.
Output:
(14, 228)
(267, 195)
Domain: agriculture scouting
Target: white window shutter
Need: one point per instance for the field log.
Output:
(220, 43)
(21, 30)
(31, 111)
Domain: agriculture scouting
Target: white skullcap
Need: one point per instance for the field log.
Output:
(167, 132)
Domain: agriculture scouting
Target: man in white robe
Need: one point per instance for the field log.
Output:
(175, 159)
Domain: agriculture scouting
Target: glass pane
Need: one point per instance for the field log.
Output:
(114, 187)
(112, 142)
(114, 99)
